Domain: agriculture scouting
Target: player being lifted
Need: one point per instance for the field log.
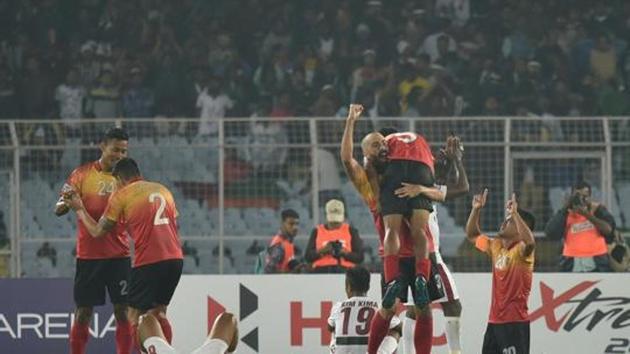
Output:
(148, 211)
(101, 263)
(448, 163)
(350, 320)
(365, 179)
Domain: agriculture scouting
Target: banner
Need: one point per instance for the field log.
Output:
(286, 314)
(36, 316)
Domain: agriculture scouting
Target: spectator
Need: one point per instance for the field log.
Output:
(137, 101)
(103, 100)
(35, 91)
(335, 246)
(212, 104)
(70, 96)
(585, 226)
(9, 107)
(603, 59)
(47, 251)
(280, 255)
(190, 251)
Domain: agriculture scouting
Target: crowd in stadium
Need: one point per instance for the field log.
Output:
(116, 58)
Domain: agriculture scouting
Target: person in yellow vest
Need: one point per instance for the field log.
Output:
(335, 246)
(280, 255)
(586, 228)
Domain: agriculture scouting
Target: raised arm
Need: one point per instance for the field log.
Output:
(353, 167)
(454, 151)
(527, 236)
(472, 225)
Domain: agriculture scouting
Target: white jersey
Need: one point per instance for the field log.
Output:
(351, 320)
(433, 228)
(157, 345)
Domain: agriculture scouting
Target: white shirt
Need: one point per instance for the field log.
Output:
(212, 108)
(70, 101)
(351, 319)
(434, 227)
(430, 45)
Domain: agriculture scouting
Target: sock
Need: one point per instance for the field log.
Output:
(133, 332)
(408, 328)
(378, 330)
(79, 334)
(423, 267)
(423, 334)
(388, 345)
(452, 334)
(123, 337)
(166, 328)
(391, 267)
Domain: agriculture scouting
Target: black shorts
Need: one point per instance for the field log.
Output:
(506, 338)
(397, 172)
(154, 284)
(93, 276)
(407, 278)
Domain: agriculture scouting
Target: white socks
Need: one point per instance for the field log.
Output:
(452, 334)
(408, 328)
(388, 345)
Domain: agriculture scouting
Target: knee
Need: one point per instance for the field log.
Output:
(452, 309)
(120, 313)
(83, 315)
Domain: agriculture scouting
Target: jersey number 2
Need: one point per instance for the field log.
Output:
(159, 218)
(364, 318)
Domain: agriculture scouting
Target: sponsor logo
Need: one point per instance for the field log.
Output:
(248, 304)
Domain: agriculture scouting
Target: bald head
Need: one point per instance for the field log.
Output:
(374, 146)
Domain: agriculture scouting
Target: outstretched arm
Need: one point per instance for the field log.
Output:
(472, 225)
(454, 152)
(352, 166)
(527, 236)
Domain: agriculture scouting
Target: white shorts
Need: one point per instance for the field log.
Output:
(212, 346)
(160, 346)
(450, 290)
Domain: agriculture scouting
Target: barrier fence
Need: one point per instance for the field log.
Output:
(231, 177)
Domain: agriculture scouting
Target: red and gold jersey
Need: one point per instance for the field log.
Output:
(370, 198)
(148, 210)
(95, 187)
(511, 279)
(409, 146)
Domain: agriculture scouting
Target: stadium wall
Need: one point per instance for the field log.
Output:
(278, 314)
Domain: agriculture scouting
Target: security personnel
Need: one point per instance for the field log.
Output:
(335, 246)
(280, 254)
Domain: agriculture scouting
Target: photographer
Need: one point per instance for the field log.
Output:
(335, 246)
(586, 227)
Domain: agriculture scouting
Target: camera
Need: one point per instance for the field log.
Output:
(337, 247)
(577, 201)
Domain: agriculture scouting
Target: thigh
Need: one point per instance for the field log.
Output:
(171, 272)
(118, 270)
(513, 338)
(143, 287)
(489, 341)
(89, 283)
(392, 180)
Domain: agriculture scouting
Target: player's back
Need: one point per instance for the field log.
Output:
(409, 146)
(351, 319)
(148, 209)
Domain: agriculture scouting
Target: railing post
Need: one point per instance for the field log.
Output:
(314, 171)
(507, 162)
(221, 201)
(16, 246)
(607, 169)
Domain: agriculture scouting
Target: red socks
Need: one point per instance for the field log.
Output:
(166, 328)
(78, 338)
(378, 330)
(391, 267)
(423, 334)
(123, 337)
(423, 267)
